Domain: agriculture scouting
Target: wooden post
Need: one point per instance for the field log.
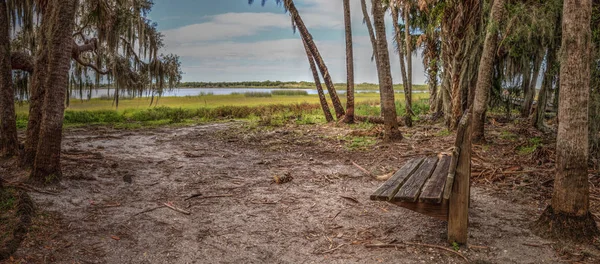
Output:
(458, 213)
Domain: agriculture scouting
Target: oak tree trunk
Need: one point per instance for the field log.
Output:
(8, 124)
(46, 167)
(315, 73)
(385, 75)
(37, 88)
(486, 72)
(569, 216)
(349, 65)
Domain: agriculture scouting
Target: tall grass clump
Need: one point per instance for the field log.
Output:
(289, 92)
(257, 94)
(88, 117)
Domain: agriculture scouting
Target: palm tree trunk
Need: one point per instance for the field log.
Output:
(405, 83)
(486, 69)
(38, 88)
(8, 125)
(46, 167)
(408, 90)
(367, 21)
(337, 105)
(525, 84)
(569, 216)
(386, 86)
(530, 96)
(540, 112)
(349, 65)
(373, 39)
(315, 73)
(455, 91)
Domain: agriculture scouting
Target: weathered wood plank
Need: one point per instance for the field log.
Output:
(439, 211)
(433, 189)
(451, 172)
(458, 213)
(409, 192)
(389, 188)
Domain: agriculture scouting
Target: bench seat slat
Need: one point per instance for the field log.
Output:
(434, 188)
(409, 192)
(389, 188)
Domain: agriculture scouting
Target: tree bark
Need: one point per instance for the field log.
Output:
(571, 190)
(38, 88)
(315, 73)
(9, 144)
(486, 72)
(408, 42)
(385, 75)
(337, 105)
(405, 82)
(569, 216)
(46, 166)
(349, 118)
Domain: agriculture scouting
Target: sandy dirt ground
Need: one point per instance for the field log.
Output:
(109, 208)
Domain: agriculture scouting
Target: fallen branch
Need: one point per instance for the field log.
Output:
(170, 206)
(363, 169)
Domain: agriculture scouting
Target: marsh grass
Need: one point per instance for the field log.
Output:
(258, 94)
(273, 111)
(289, 92)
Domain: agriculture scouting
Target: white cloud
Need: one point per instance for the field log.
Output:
(224, 27)
(210, 51)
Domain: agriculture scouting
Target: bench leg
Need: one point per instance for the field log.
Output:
(458, 213)
(458, 217)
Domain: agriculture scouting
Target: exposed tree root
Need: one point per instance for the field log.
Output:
(566, 227)
(25, 211)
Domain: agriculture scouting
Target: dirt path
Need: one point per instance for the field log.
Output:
(98, 217)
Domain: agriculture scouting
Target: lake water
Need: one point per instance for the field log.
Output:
(105, 93)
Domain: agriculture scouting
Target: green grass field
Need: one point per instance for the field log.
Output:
(211, 101)
(272, 110)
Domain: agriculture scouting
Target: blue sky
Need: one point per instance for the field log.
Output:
(229, 40)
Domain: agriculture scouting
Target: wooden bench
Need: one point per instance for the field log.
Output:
(436, 186)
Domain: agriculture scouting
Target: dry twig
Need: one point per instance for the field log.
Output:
(363, 169)
(208, 196)
(170, 206)
(149, 210)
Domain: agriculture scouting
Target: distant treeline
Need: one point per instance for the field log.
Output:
(280, 84)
